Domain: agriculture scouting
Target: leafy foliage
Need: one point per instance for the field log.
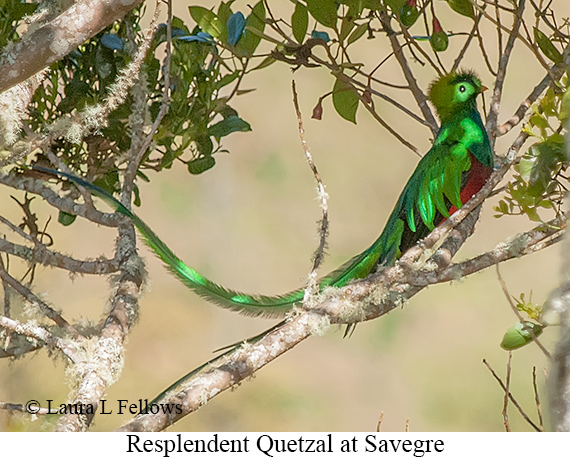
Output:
(198, 118)
(540, 180)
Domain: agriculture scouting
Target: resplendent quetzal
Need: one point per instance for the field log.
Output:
(456, 167)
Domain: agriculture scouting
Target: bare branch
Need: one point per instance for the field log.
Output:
(32, 298)
(553, 75)
(321, 194)
(27, 183)
(23, 409)
(493, 114)
(537, 400)
(557, 309)
(470, 37)
(38, 333)
(520, 245)
(139, 141)
(510, 397)
(104, 363)
(42, 255)
(420, 97)
(507, 394)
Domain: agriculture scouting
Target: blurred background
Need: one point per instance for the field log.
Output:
(250, 224)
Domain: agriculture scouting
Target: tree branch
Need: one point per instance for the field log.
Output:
(42, 255)
(420, 97)
(29, 184)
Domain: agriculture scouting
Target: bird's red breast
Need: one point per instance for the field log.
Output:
(478, 176)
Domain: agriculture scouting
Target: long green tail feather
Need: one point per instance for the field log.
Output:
(249, 304)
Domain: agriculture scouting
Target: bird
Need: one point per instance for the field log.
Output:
(457, 166)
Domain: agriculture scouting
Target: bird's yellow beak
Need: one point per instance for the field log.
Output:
(483, 89)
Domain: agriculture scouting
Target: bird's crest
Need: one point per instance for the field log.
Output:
(449, 95)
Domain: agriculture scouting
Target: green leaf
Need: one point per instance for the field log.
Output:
(357, 33)
(137, 196)
(200, 165)
(345, 100)
(525, 166)
(546, 46)
(463, 7)
(502, 207)
(204, 145)
(225, 11)
(550, 154)
(265, 63)
(346, 26)
(565, 107)
(109, 181)
(208, 21)
(229, 125)
(255, 23)
(538, 120)
(66, 219)
(520, 335)
(324, 11)
(300, 22)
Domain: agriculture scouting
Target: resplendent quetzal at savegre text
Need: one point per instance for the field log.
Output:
(455, 168)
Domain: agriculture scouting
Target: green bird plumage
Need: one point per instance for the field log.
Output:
(455, 168)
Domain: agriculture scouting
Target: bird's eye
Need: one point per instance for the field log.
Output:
(462, 88)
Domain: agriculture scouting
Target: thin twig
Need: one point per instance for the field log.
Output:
(25, 409)
(553, 75)
(28, 182)
(459, 58)
(511, 398)
(537, 399)
(321, 195)
(32, 298)
(420, 97)
(507, 393)
(384, 124)
(492, 116)
(42, 255)
(380, 419)
(41, 334)
(528, 44)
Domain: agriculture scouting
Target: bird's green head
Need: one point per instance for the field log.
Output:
(455, 93)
